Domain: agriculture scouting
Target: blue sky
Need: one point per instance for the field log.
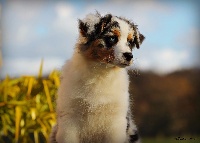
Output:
(35, 30)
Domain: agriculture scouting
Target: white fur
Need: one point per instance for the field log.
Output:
(91, 20)
(122, 46)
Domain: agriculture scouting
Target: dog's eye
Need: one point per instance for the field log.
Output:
(130, 43)
(111, 40)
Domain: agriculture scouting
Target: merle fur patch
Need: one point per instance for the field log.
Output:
(104, 26)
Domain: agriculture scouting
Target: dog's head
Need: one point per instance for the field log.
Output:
(109, 39)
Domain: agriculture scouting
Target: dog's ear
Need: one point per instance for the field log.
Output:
(139, 38)
(83, 28)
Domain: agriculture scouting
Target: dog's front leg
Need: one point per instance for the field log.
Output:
(67, 131)
(132, 133)
(117, 133)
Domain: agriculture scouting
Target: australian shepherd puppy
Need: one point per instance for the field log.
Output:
(93, 98)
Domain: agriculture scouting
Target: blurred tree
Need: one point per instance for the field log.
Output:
(166, 105)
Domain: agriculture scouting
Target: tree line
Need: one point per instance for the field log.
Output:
(167, 105)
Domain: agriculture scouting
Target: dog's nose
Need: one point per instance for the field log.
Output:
(128, 56)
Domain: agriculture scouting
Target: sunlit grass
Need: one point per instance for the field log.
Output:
(27, 107)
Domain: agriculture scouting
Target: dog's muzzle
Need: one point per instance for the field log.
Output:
(128, 56)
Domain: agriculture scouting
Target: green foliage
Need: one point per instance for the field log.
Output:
(27, 108)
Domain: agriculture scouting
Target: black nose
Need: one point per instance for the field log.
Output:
(128, 56)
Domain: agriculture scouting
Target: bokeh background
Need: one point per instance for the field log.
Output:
(37, 37)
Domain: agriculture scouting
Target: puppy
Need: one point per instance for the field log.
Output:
(93, 98)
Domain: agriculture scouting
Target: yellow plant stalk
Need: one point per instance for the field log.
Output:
(18, 114)
(46, 89)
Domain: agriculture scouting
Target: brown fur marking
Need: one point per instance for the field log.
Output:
(116, 32)
(98, 52)
(130, 36)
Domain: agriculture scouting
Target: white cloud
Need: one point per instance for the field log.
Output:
(64, 10)
(66, 20)
(22, 66)
(23, 35)
(18, 22)
(189, 38)
(162, 61)
(25, 10)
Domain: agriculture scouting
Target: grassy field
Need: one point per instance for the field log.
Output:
(27, 108)
(171, 140)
